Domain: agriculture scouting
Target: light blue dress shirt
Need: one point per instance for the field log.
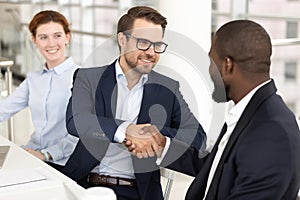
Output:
(47, 93)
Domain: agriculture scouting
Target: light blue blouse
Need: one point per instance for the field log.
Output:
(47, 93)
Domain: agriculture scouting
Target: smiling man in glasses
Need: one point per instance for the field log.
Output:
(111, 104)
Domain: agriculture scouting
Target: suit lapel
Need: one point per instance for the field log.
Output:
(257, 99)
(198, 186)
(150, 89)
(108, 88)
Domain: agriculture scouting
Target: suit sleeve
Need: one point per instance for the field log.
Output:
(69, 114)
(183, 158)
(81, 120)
(184, 126)
(81, 115)
(187, 138)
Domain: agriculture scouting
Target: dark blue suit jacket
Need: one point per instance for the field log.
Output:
(261, 159)
(90, 115)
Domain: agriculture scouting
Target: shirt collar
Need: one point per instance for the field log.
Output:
(234, 111)
(120, 74)
(61, 67)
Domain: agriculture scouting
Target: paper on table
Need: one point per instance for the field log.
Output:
(15, 177)
(3, 152)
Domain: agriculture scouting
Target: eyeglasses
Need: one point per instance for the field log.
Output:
(144, 44)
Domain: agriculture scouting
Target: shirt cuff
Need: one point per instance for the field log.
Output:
(121, 131)
(159, 160)
(55, 153)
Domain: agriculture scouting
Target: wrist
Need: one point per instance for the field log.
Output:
(46, 155)
(163, 142)
(120, 134)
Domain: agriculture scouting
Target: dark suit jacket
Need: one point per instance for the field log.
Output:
(261, 159)
(90, 115)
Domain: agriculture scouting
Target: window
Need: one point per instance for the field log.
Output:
(290, 73)
(291, 29)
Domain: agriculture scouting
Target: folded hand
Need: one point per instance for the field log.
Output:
(144, 140)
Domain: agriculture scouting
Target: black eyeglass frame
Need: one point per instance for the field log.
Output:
(155, 44)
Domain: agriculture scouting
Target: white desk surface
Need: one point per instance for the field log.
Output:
(55, 185)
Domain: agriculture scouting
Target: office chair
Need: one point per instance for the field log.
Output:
(170, 176)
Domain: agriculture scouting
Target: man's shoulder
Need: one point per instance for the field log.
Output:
(92, 70)
(162, 77)
(157, 77)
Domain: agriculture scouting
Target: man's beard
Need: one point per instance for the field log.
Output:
(219, 95)
(139, 69)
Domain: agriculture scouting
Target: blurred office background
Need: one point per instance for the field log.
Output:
(93, 23)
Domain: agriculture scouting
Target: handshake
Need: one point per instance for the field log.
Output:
(144, 140)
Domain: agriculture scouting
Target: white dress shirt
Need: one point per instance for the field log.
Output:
(46, 92)
(232, 115)
(117, 161)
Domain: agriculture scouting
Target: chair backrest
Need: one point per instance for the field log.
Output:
(170, 176)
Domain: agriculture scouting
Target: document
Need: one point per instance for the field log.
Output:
(3, 152)
(16, 177)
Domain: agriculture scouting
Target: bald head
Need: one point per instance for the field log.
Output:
(246, 43)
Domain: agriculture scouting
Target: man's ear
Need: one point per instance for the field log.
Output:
(121, 39)
(227, 68)
(227, 65)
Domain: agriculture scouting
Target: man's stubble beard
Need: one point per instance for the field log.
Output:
(220, 93)
(136, 68)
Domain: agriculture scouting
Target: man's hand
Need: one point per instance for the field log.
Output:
(37, 154)
(144, 140)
